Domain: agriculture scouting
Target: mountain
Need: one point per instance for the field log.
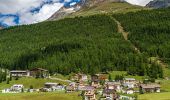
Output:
(65, 11)
(91, 7)
(1, 27)
(159, 4)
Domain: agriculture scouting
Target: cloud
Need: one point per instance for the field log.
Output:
(139, 2)
(29, 11)
(16, 12)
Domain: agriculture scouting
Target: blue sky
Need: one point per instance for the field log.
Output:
(17, 12)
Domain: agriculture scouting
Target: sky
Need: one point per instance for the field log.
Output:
(18, 12)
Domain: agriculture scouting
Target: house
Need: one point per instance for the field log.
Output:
(129, 82)
(81, 85)
(110, 94)
(39, 72)
(70, 89)
(50, 85)
(94, 77)
(79, 77)
(87, 88)
(113, 85)
(17, 88)
(89, 93)
(150, 88)
(20, 73)
(59, 87)
(95, 81)
(82, 77)
(130, 91)
(102, 77)
(123, 97)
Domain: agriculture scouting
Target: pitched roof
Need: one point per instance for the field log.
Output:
(131, 79)
(49, 83)
(88, 88)
(108, 91)
(19, 71)
(112, 83)
(41, 69)
(69, 88)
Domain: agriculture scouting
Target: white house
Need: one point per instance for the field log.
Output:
(19, 73)
(49, 86)
(129, 82)
(17, 88)
(129, 91)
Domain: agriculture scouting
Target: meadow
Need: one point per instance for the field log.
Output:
(28, 81)
(41, 96)
(155, 96)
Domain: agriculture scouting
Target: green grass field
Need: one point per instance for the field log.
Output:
(41, 96)
(26, 81)
(155, 96)
(124, 73)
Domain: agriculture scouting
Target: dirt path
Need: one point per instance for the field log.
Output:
(121, 30)
(125, 35)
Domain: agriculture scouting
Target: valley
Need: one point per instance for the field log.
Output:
(109, 43)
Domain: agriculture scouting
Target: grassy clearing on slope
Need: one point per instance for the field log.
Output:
(64, 77)
(166, 72)
(106, 7)
(165, 85)
(155, 96)
(36, 83)
(124, 73)
(41, 96)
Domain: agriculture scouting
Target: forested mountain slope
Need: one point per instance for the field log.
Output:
(149, 31)
(83, 44)
(87, 44)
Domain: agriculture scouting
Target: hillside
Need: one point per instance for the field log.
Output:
(159, 4)
(69, 45)
(92, 7)
(107, 7)
(91, 44)
(149, 31)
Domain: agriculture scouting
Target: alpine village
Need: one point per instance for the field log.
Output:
(92, 50)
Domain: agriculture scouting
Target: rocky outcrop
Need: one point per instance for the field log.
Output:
(1, 28)
(159, 4)
(65, 11)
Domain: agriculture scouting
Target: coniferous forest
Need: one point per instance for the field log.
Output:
(150, 31)
(82, 44)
